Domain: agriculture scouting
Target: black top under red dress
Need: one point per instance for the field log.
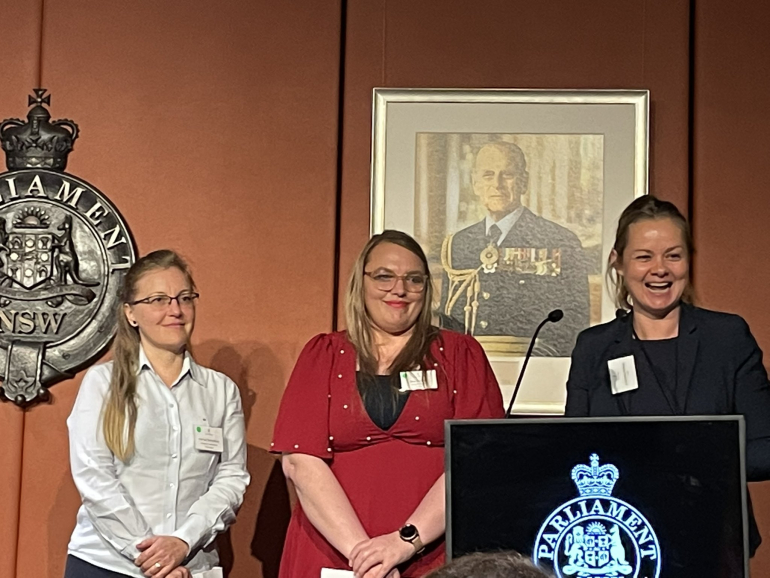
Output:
(385, 474)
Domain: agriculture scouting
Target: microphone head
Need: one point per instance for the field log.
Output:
(555, 316)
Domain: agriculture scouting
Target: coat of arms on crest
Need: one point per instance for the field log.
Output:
(596, 535)
(64, 250)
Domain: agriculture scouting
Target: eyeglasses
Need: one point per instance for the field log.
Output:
(185, 300)
(386, 280)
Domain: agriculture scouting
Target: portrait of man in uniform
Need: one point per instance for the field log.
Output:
(503, 274)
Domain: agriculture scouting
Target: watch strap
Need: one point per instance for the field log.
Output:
(414, 540)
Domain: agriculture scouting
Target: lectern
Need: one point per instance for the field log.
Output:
(642, 497)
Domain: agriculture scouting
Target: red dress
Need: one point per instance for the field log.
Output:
(385, 474)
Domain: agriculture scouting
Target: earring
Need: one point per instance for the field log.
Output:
(133, 323)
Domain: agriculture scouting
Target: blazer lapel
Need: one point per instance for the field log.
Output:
(688, 353)
(622, 347)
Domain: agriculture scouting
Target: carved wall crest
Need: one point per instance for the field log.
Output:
(64, 251)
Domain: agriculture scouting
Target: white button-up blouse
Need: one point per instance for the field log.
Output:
(168, 487)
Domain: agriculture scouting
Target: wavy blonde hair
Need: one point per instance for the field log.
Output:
(120, 407)
(359, 322)
(644, 208)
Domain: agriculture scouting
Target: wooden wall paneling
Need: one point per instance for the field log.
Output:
(730, 176)
(512, 44)
(213, 128)
(21, 43)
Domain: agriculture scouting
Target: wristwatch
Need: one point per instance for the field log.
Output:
(409, 533)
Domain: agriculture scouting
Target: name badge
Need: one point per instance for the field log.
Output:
(208, 439)
(622, 374)
(332, 573)
(215, 572)
(417, 380)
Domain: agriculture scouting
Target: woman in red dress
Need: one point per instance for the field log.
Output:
(361, 424)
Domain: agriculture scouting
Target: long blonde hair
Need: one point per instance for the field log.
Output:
(120, 407)
(359, 322)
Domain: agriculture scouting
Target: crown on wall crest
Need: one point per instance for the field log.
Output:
(595, 480)
(37, 143)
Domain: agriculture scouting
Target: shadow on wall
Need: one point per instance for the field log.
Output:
(262, 521)
(264, 516)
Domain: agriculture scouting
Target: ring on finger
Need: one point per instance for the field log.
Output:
(157, 565)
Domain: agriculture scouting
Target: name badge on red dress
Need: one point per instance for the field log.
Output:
(417, 380)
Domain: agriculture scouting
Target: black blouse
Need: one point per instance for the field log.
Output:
(660, 359)
(382, 402)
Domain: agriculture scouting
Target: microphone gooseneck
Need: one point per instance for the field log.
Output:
(553, 317)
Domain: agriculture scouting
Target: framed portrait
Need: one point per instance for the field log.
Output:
(514, 195)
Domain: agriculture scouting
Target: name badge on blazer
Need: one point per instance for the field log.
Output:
(622, 374)
(417, 380)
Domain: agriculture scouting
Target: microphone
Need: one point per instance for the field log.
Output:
(553, 317)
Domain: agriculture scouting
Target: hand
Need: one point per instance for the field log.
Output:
(392, 574)
(161, 555)
(378, 556)
(179, 572)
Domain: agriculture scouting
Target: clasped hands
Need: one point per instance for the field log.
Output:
(161, 557)
(378, 557)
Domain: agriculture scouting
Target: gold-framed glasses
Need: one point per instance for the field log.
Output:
(185, 300)
(385, 280)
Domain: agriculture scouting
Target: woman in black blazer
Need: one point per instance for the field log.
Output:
(662, 355)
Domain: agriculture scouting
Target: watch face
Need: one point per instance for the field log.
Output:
(408, 532)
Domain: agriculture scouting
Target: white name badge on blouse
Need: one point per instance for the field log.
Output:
(215, 572)
(622, 374)
(208, 439)
(332, 573)
(413, 380)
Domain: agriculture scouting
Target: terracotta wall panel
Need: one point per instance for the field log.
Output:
(516, 44)
(21, 44)
(213, 127)
(730, 176)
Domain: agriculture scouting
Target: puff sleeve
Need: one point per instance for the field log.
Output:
(303, 418)
(477, 392)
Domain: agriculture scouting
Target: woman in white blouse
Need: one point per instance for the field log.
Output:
(157, 444)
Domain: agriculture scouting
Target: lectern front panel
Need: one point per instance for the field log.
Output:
(637, 497)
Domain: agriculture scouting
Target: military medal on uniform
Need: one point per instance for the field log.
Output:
(489, 257)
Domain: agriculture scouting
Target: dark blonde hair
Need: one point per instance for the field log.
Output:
(359, 322)
(119, 411)
(644, 208)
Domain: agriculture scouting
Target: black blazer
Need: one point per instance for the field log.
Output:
(720, 365)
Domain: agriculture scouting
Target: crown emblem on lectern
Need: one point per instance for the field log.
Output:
(595, 480)
(37, 143)
(597, 535)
